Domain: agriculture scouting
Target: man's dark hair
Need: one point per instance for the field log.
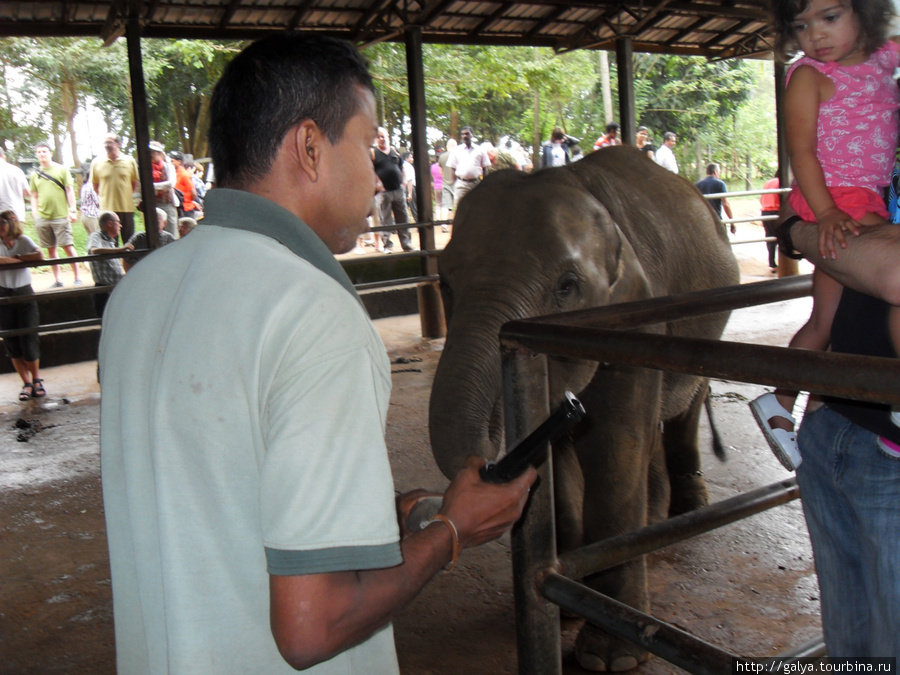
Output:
(711, 168)
(612, 126)
(873, 15)
(467, 128)
(43, 144)
(669, 136)
(273, 85)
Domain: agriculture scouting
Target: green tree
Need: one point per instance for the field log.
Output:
(180, 76)
(692, 97)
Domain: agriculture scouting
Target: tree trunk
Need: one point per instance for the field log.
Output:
(68, 99)
(201, 142)
(536, 140)
(454, 125)
(606, 89)
(699, 156)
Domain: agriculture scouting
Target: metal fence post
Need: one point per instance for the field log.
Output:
(526, 404)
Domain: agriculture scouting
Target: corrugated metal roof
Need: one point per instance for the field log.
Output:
(725, 29)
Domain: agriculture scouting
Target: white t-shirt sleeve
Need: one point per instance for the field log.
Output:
(326, 490)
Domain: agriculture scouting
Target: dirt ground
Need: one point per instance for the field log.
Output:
(749, 587)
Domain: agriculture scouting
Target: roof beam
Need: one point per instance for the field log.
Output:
(429, 14)
(488, 20)
(229, 13)
(546, 21)
(114, 26)
(301, 12)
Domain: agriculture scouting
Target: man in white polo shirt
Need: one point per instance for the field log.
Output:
(250, 506)
(468, 162)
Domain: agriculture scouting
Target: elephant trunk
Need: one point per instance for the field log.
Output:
(465, 414)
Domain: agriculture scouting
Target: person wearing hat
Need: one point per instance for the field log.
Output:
(185, 184)
(164, 184)
(115, 178)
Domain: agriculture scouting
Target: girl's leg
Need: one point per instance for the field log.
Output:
(34, 368)
(23, 371)
(815, 334)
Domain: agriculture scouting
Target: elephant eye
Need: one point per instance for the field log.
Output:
(567, 287)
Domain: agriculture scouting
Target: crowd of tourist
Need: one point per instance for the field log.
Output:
(107, 213)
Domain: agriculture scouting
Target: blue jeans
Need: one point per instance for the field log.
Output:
(851, 498)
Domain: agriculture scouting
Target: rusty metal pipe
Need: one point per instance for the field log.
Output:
(674, 307)
(663, 639)
(526, 403)
(862, 378)
(602, 555)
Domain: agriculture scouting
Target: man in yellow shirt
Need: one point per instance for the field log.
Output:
(115, 179)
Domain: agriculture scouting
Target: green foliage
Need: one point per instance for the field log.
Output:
(685, 94)
(180, 76)
(722, 111)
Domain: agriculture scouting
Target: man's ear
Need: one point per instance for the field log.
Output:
(306, 147)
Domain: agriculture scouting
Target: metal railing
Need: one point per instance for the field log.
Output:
(749, 219)
(44, 296)
(544, 581)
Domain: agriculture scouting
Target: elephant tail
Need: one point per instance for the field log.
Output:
(718, 445)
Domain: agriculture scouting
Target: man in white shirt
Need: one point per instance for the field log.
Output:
(467, 162)
(664, 156)
(13, 188)
(250, 508)
(409, 184)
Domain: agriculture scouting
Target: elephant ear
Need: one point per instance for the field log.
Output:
(627, 281)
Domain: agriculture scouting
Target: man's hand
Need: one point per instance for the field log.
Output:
(832, 225)
(483, 511)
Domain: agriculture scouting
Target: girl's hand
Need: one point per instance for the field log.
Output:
(832, 225)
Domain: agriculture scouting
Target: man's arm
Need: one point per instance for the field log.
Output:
(451, 164)
(21, 257)
(103, 250)
(868, 264)
(169, 181)
(70, 198)
(314, 617)
(726, 207)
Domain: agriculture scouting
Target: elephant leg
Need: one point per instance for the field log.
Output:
(568, 488)
(658, 488)
(680, 440)
(615, 450)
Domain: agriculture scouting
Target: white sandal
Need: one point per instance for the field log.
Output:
(782, 442)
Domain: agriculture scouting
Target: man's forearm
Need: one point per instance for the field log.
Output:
(317, 616)
(868, 264)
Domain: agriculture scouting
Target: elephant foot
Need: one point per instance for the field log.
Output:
(600, 652)
(688, 493)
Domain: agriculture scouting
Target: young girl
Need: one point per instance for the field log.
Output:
(841, 108)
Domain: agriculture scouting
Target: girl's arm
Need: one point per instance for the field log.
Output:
(805, 92)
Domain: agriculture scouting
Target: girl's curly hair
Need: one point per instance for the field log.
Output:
(873, 16)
